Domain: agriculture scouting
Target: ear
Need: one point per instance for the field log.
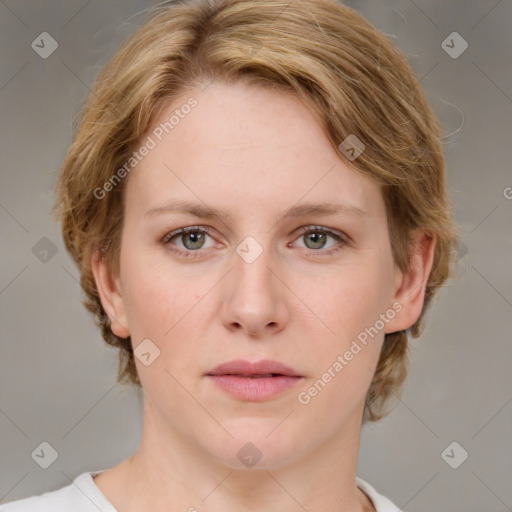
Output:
(410, 286)
(109, 290)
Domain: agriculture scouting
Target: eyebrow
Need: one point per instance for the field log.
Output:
(300, 210)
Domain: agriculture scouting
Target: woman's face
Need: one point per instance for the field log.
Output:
(255, 286)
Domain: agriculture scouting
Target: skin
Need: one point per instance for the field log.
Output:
(255, 153)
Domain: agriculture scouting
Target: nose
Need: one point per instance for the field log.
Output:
(254, 297)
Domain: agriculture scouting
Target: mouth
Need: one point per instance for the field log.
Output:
(250, 376)
(257, 369)
(254, 381)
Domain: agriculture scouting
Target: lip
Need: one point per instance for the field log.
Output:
(248, 368)
(254, 381)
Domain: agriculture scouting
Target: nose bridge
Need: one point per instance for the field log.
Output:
(253, 259)
(255, 300)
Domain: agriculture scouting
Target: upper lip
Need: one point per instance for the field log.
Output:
(263, 367)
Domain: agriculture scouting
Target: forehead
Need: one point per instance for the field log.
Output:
(243, 147)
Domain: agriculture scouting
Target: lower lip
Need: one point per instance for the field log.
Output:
(254, 389)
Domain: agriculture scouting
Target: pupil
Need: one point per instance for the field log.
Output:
(194, 238)
(316, 237)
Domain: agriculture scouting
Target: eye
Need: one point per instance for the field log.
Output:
(316, 239)
(192, 240)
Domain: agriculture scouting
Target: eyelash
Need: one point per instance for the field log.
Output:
(306, 230)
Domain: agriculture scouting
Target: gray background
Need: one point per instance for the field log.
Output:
(57, 377)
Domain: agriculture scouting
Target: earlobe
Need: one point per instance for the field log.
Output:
(110, 294)
(410, 285)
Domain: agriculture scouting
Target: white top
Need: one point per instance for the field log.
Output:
(83, 495)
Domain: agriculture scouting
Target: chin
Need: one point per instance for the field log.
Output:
(257, 443)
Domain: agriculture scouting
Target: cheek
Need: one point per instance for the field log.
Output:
(349, 303)
(348, 299)
(345, 358)
(159, 303)
(165, 312)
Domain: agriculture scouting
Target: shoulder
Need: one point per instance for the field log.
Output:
(380, 502)
(81, 495)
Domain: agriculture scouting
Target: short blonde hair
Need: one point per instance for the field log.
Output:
(345, 70)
